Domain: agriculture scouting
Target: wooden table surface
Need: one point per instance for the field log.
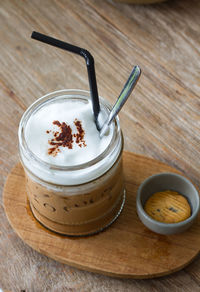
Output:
(160, 120)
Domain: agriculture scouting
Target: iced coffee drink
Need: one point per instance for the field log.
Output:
(74, 178)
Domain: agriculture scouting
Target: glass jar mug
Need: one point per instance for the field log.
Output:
(79, 199)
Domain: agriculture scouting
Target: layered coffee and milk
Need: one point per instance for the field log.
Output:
(74, 178)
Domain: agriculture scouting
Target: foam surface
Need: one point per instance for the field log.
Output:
(66, 111)
(38, 129)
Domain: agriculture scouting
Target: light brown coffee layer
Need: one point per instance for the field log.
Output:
(78, 209)
(82, 229)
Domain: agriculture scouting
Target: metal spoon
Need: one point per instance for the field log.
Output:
(126, 91)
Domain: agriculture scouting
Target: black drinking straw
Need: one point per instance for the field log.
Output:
(89, 62)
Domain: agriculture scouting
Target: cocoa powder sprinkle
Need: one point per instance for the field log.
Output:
(64, 137)
(80, 133)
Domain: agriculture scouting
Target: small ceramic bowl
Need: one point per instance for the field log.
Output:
(162, 182)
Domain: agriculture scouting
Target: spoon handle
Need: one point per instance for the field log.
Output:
(126, 91)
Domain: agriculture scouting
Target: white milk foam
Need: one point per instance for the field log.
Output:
(65, 111)
(39, 118)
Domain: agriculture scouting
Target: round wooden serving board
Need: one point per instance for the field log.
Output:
(126, 249)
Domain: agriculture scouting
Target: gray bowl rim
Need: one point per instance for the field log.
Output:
(161, 224)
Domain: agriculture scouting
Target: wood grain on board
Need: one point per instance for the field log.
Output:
(126, 249)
